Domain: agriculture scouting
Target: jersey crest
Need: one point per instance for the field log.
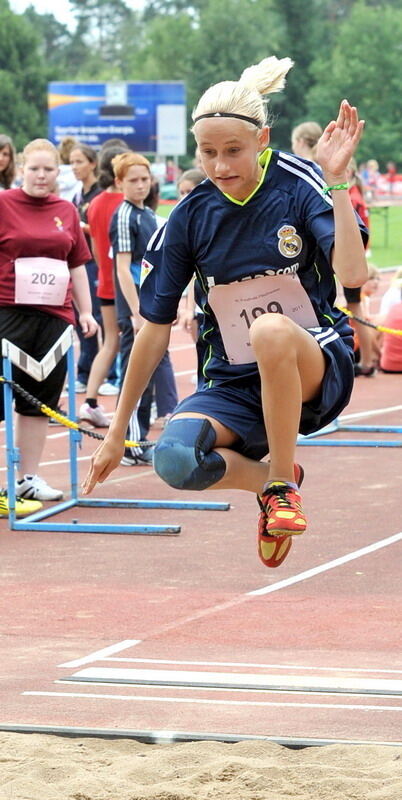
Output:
(290, 243)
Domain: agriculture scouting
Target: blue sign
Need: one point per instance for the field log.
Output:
(150, 117)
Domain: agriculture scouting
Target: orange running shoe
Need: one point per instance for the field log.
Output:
(280, 511)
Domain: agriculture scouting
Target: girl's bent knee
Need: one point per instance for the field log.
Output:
(184, 458)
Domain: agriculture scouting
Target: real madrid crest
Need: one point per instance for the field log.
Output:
(290, 243)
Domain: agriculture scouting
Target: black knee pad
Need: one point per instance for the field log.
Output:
(183, 455)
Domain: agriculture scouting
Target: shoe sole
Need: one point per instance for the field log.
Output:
(277, 555)
(273, 551)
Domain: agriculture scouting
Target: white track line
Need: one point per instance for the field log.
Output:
(99, 655)
(336, 562)
(241, 680)
(374, 412)
(252, 665)
(204, 701)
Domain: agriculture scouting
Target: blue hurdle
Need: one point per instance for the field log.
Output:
(315, 439)
(33, 522)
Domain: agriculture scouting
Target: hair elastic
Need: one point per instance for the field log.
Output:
(227, 114)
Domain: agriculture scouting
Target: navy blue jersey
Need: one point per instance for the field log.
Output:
(131, 228)
(286, 227)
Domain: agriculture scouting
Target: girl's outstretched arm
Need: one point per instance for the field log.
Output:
(149, 346)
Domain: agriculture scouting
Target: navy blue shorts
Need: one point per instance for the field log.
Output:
(34, 332)
(237, 404)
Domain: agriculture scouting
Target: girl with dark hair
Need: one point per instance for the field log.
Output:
(7, 162)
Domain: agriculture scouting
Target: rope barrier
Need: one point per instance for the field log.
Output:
(380, 328)
(61, 418)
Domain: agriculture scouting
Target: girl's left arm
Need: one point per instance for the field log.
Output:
(334, 151)
(82, 300)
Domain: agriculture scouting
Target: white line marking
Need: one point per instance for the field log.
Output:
(224, 689)
(177, 347)
(239, 680)
(203, 701)
(337, 562)
(185, 372)
(287, 667)
(100, 654)
(372, 413)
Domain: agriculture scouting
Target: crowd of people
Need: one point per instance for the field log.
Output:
(123, 277)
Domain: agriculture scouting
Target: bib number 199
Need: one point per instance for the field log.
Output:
(272, 308)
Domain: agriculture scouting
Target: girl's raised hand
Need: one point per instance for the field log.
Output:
(338, 143)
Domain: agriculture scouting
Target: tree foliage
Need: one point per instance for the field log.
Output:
(340, 48)
(22, 79)
(365, 67)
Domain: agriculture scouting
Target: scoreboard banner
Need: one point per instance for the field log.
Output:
(150, 117)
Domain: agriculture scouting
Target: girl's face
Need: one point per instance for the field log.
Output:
(5, 157)
(82, 167)
(185, 187)
(40, 173)
(371, 286)
(136, 184)
(229, 151)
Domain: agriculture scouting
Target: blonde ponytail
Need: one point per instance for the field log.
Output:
(244, 98)
(268, 76)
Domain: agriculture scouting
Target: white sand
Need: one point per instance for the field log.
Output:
(41, 767)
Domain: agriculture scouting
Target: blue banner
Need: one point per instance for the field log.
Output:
(150, 117)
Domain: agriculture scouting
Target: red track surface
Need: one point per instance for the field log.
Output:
(186, 603)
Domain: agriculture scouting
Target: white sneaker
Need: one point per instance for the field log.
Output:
(95, 416)
(79, 387)
(32, 487)
(108, 389)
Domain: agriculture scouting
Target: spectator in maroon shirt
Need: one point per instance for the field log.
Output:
(42, 272)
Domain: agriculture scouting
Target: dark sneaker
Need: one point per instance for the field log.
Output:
(143, 458)
(368, 372)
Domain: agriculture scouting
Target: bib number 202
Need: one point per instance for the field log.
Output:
(272, 308)
(43, 278)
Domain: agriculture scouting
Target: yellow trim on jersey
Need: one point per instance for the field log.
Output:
(263, 160)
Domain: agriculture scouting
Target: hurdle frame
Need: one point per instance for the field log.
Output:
(65, 346)
(315, 439)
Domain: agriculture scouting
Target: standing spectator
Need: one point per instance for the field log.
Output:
(67, 184)
(191, 316)
(100, 212)
(7, 162)
(391, 345)
(132, 226)
(366, 349)
(39, 232)
(392, 295)
(305, 138)
(84, 163)
(370, 176)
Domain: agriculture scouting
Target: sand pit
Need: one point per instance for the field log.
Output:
(43, 767)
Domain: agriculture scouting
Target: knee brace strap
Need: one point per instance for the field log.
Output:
(183, 455)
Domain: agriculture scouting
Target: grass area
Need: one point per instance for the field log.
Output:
(385, 236)
(164, 210)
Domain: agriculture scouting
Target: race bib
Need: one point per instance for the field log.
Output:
(237, 305)
(41, 281)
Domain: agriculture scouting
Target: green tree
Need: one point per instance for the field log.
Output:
(232, 34)
(54, 40)
(365, 67)
(22, 79)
